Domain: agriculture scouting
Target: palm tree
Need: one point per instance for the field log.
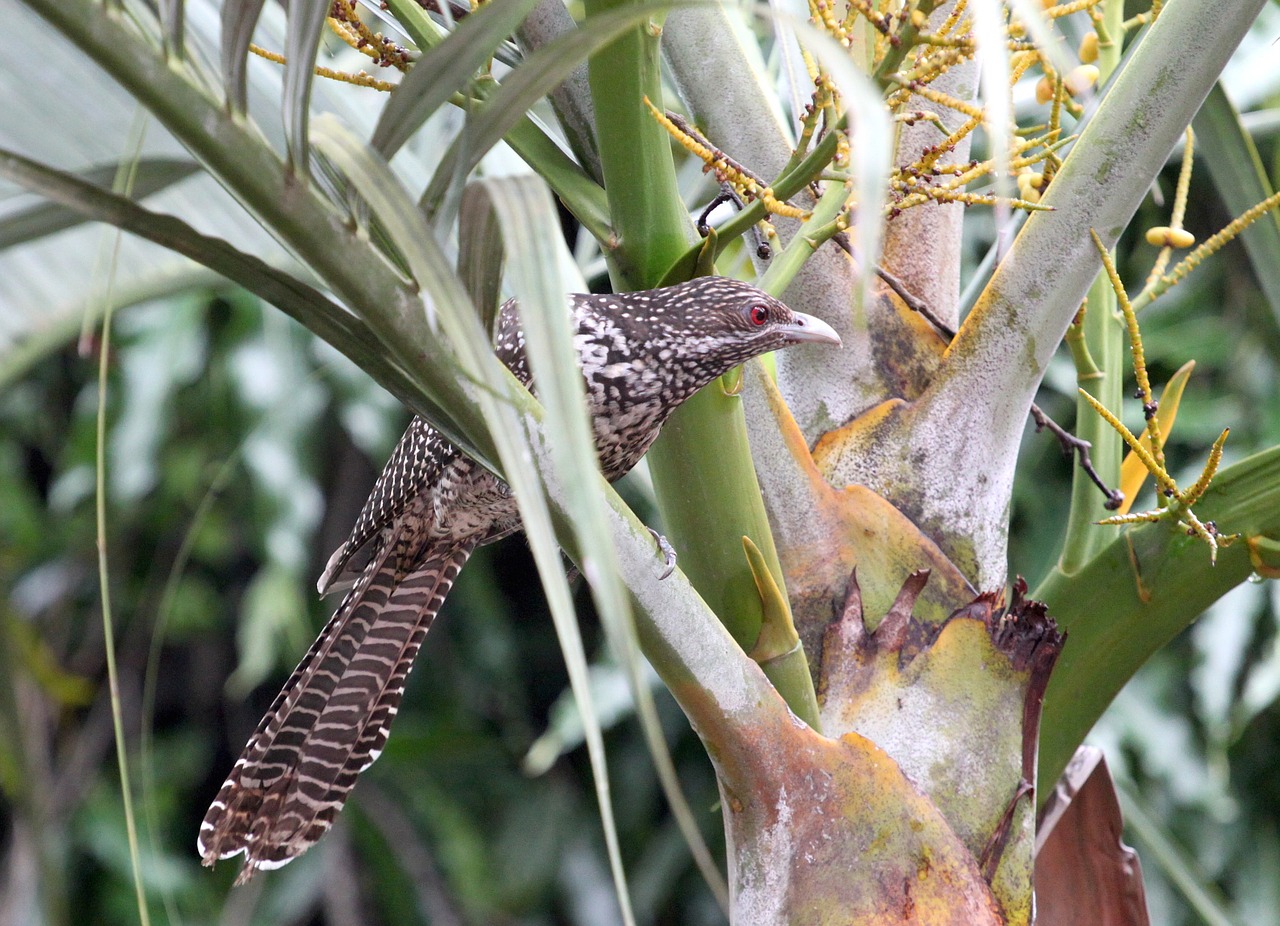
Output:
(842, 518)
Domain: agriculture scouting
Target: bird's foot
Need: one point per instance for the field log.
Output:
(668, 553)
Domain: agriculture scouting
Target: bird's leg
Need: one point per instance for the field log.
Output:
(668, 553)
(728, 194)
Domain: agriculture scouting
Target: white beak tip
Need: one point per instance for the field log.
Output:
(809, 328)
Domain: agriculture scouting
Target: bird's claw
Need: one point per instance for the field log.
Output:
(668, 553)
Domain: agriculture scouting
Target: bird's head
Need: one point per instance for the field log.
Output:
(701, 329)
(730, 317)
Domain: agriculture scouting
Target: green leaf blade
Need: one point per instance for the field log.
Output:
(306, 19)
(445, 70)
(239, 17)
(38, 221)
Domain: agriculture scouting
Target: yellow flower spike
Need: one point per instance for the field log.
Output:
(687, 141)
(949, 143)
(810, 65)
(964, 174)
(826, 16)
(1066, 9)
(1163, 479)
(881, 22)
(947, 195)
(1081, 79)
(1212, 244)
(1174, 235)
(349, 27)
(1044, 90)
(943, 99)
(725, 168)
(777, 206)
(1139, 517)
(1192, 495)
(1206, 532)
(1132, 471)
(1135, 348)
(1089, 48)
(953, 18)
(928, 68)
(358, 78)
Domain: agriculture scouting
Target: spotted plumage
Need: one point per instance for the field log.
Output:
(642, 354)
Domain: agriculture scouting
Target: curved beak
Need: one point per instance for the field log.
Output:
(808, 328)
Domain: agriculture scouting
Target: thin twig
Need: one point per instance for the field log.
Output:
(123, 183)
(1069, 442)
(914, 302)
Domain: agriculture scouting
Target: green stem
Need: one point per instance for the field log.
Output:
(122, 184)
(635, 153)
(1102, 343)
(1099, 371)
(701, 465)
(1111, 40)
(1137, 594)
(580, 194)
(819, 228)
(800, 171)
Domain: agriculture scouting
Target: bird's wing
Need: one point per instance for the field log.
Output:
(414, 465)
(417, 462)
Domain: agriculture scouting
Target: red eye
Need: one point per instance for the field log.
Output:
(758, 315)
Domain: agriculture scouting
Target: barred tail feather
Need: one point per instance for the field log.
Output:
(331, 719)
(352, 730)
(272, 749)
(225, 829)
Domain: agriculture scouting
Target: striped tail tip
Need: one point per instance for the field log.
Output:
(253, 821)
(224, 832)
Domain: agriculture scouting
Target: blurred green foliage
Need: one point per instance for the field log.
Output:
(1193, 738)
(241, 448)
(240, 451)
